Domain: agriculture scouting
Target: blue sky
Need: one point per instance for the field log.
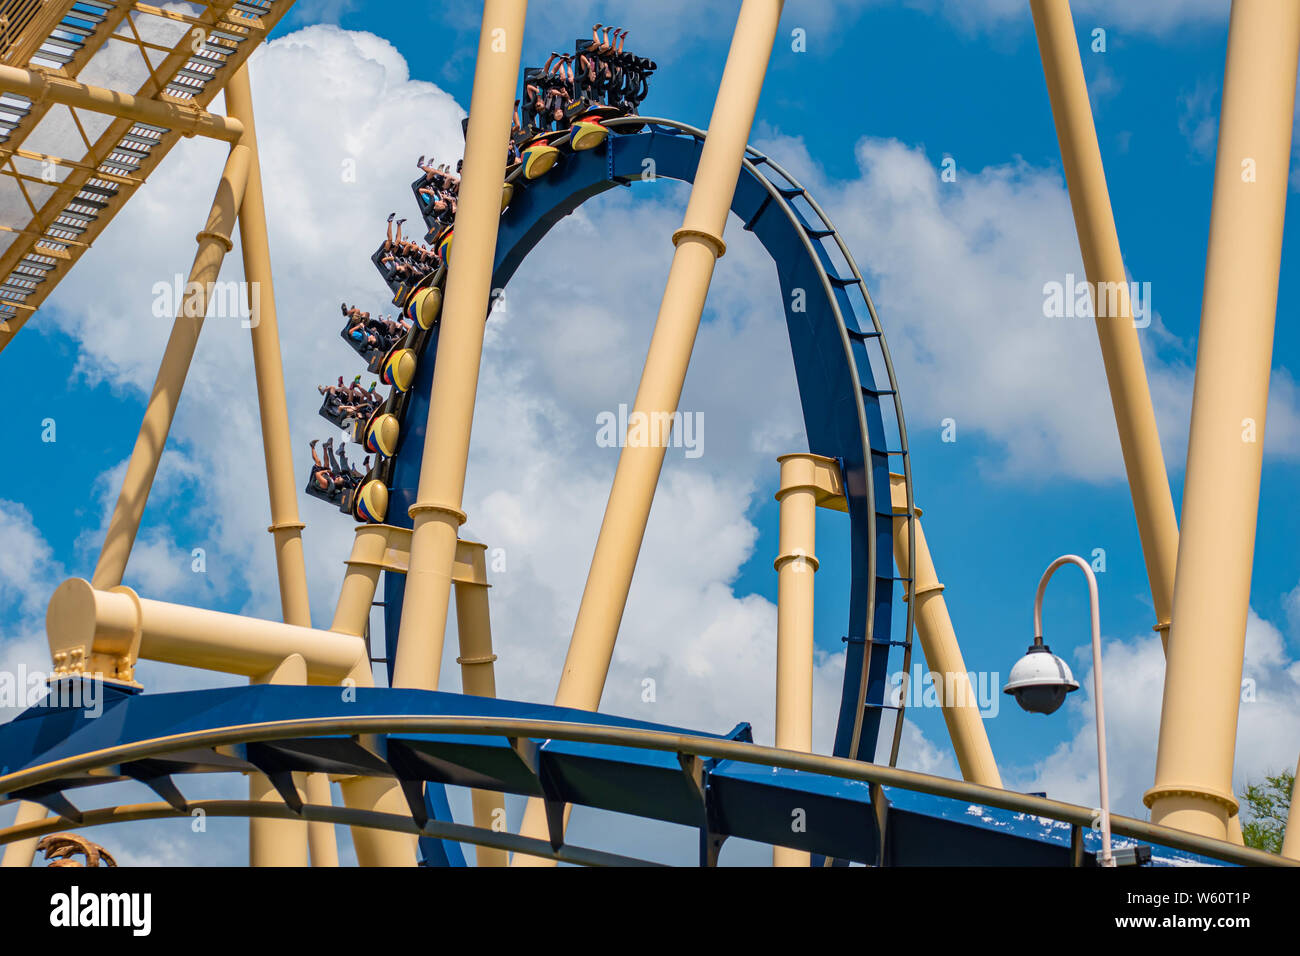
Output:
(883, 94)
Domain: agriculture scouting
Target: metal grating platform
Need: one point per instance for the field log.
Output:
(65, 171)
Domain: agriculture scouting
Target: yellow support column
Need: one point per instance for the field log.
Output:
(214, 242)
(1198, 720)
(474, 629)
(943, 656)
(22, 852)
(698, 246)
(437, 514)
(795, 567)
(268, 368)
(1121, 353)
(278, 842)
(373, 847)
(1291, 838)
(322, 846)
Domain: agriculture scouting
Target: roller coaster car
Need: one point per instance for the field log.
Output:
(347, 496)
(378, 260)
(398, 369)
(586, 124)
(539, 155)
(379, 432)
(360, 347)
(586, 134)
(330, 496)
(382, 432)
(430, 217)
(401, 286)
(329, 410)
(368, 502)
(423, 306)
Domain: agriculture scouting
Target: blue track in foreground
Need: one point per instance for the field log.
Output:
(732, 798)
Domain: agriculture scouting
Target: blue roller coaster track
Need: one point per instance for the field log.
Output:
(832, 326)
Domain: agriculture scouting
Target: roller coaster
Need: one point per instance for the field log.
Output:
(311, 714)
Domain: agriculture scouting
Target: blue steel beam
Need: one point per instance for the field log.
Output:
(844, 818)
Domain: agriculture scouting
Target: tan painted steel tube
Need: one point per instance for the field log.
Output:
(437, 514)
(1198, 720)
(698, 246)
(474, 629)
(20, 853)
(375, 848)
(357, 596)
(268, 369)
(1121, 354)
(796, 566)
(56, 89)
(214, 242)
(943, 655)
(322, 845)
(1291, 838)
(80, 616)
(286, 527)
(351, 616)
(278, 842)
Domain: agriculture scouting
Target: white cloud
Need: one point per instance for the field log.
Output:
(958, 273)
(29, 573)
(1198, 119)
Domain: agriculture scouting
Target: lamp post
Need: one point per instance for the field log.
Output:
(1040, 680)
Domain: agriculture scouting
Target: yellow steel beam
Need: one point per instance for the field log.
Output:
(1139, 438)
(698, 245)
(189, 121)
(478, 678)
(104, 632)
(437, 513)
(804, 479)
(213, 244)
(268, 367)
(1202, 692)
(943, 655)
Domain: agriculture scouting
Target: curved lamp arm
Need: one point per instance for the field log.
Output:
(1095, 608)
